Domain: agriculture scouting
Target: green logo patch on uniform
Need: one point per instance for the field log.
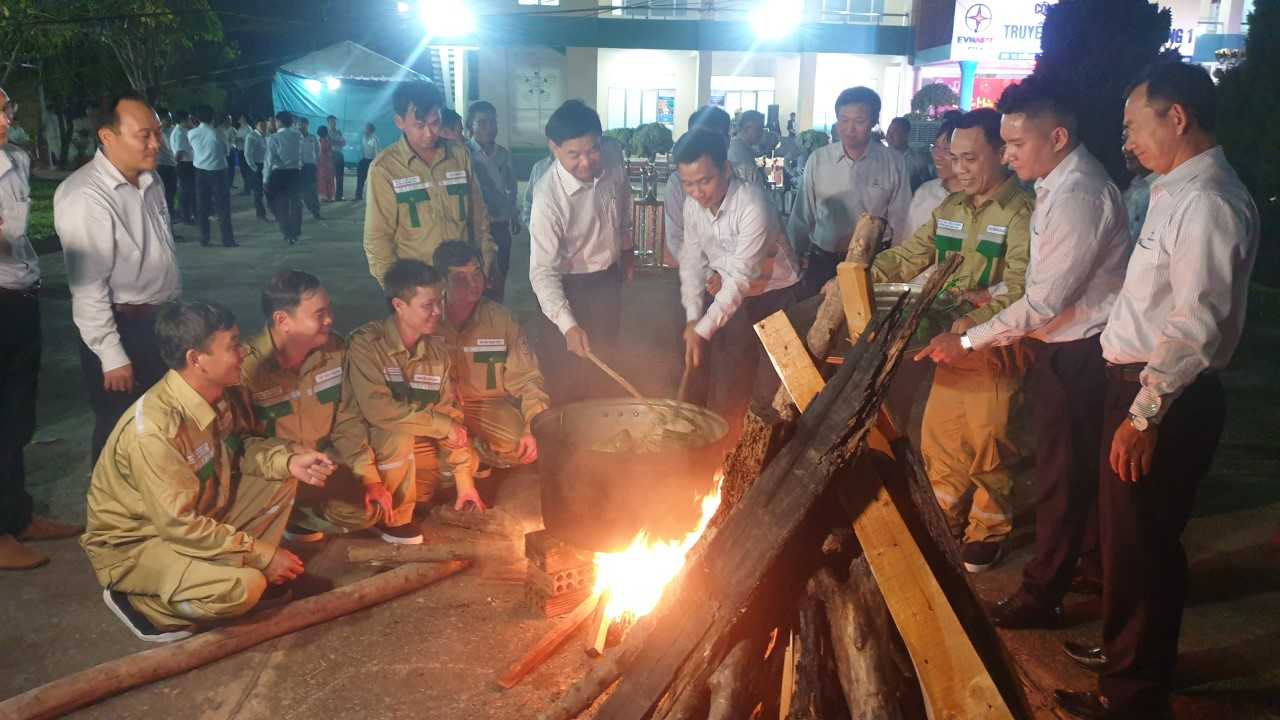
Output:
(201, 461)
(268, 414)
(490, 352)
(991, 246)
(948, 237)
(425, 389)
(328, 385)
(409, 192)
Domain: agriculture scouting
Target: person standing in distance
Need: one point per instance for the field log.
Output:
(282, 175)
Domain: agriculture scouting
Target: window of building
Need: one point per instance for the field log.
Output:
(633, 107)
(734, 93)
(538, 2)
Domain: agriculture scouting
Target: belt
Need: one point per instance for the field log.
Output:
(1131, 372)
(30, 292)
(134, 312)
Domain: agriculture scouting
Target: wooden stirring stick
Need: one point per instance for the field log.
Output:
(618, 378)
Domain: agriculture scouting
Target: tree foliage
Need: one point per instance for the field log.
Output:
(810, 140)
(1093, 50)
(931, 97)
(651, 140)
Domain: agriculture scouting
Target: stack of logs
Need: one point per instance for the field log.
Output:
(781, 610)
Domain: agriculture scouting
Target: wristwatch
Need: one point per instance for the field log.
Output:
(966, 343)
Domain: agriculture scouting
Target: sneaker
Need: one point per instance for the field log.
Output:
(981, 556)
(298, 533)
(407, 534)
(118, 603)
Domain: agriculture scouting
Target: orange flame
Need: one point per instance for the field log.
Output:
(635, 577)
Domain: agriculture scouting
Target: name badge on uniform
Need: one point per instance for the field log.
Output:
(425, 382)
(950, 225)
(455, 177)
(263, 396)
(201, 455)
(393, 374)
(409, 184)
(998, 230)
(486, 345)
(328, 385)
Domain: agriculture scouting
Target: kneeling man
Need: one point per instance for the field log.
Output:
(186, 509)
(499, 382)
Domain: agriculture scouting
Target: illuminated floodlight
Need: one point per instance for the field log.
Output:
(402, 7)
(312, 86)
(775, 19)
(446, 18)
(332, 83)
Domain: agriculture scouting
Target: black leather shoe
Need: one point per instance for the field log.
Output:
(1092, 706)
(1092, 658)
(1017, 613)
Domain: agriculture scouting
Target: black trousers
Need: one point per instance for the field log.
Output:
(213, 195)
(138, 335)
(821, 268)
(362, 174)
(19, 371)
(253, 184)
(339, 170)
(169, 176)
(596, 302)
(1143, 562)
(738, 372)
(500, 230)
(186, 191)
(310, 192)
(284, 189)
(1068, 388)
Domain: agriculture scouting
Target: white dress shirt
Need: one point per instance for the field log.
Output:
(284, 151)
(240, 135)
(255, 150)
(492, 184)
(166, 157)
(208, 147)
(576, 228)
(336, 140)
(1181, 310)
(118, 248)
(742, 242)
(1136, 199)
(180, 141)
(673, 198)
(310, 148)
(924, 201)
(19, 265)
(369, 146)
(535, 174)
(837, 190)
(1079, 249)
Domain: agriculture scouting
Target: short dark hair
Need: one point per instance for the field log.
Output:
(1036, 97)
(1172, 83)
(750, 116)
(711, 117)
(284, 118)
(422, 96)
(109, 117)
(286, 290)
(450, 118)
(180, 116)
(403, 279)
(903, 121)
(189, 325)
(950, 119)
(204, 113)
(987, 120)
(699, 143)
(327, 118)
(863, 96)
(478, 107)
(455, 253)
(322, 131)
(303, 119)
(573, 119)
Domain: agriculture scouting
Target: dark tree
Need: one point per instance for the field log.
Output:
(1249, 128)
(1094, 49)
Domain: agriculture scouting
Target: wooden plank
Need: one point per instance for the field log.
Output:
(855, 294)
(790, 358)
(547, 645)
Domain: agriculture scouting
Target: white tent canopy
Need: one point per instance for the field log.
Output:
(349, 61)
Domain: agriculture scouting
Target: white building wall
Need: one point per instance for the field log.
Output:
(639, 70)
(525, 85)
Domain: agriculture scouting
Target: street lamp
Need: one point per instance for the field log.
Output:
(332, 83)
(446, 18)
(775, 19)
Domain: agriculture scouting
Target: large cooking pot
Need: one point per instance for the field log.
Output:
(611, 468)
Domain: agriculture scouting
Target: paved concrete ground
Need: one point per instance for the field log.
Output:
(433, 653)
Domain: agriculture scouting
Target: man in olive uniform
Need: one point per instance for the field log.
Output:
(422, 190)
(965, 439)
(292, 381)
(399, 416)
(186, 508)
(498, 377)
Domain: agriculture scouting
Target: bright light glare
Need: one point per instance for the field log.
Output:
(333, 83)
(402, 7)
(775, 19)
(446, 18)
(312, 86)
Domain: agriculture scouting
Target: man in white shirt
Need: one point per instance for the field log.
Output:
(370, 146)
(930, 195)
(1079, 249)
(736, 269)
(714, 119)
(898, 138)
(255, 154)
(19, 356)
(1175, 324)
(241, 131)
(166, 162)
(180, 143)
(843, 180)
(613, 152)
(504, 210)
(338, 143)
(742, 148)
(310, 152)
(121, 264)
(580, 233)
(209, 155)
(282, 176)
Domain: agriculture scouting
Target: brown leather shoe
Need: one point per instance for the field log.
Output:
(43, 528)
(16, 556)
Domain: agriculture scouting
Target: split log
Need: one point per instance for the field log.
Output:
(429, 552)
(730, 684)
(818, 693)
(110, 678)
(546, 646)
(602, 676)
(494, 521)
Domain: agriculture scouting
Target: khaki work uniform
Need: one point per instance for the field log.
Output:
(185, 508)
(965, 440)
(413, 207)
(397, 406)
(498, 378)
(299, 406)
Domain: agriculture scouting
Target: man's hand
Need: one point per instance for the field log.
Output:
(469, 496)
(962, 325)
(118, 380)
(695, 348)
(379, 497)
(944, 349)
(1132, 451)
(311, 467)
(628, 264)
(457, 438)
(284, 567)
(976, 297)
(575, 338)
(527, 449)
(714, 283)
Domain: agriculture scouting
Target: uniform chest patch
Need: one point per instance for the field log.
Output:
(455, 177)
(408, 184)
(949, 225)
(422, 381)
(1000, 230)
(267, 395)
(393, 374)
(328, 379)
(487, 345)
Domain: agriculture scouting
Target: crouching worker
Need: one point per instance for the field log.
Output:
(186, 509)
(399, 424)
(292, 381)
(499, 382)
